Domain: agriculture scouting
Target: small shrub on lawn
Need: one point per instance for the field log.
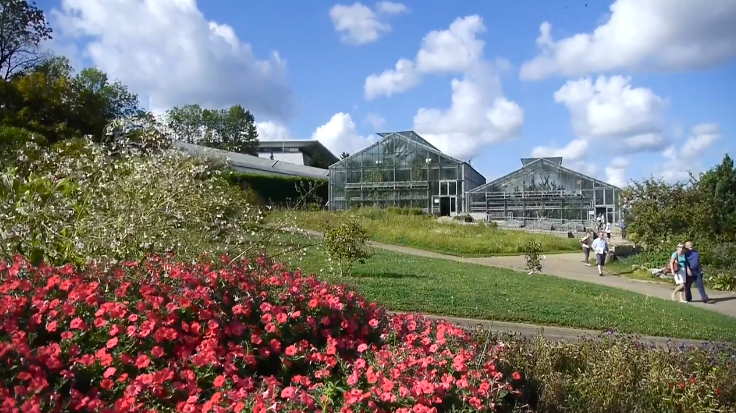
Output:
(345, 244)
(532, 258)
(248, 337)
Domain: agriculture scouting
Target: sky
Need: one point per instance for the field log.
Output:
(622, 90)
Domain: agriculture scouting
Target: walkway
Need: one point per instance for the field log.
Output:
(570, 266)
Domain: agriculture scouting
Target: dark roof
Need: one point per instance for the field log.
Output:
(248, 163)
(308, 147)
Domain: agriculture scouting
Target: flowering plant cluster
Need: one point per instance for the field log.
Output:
(161, 336)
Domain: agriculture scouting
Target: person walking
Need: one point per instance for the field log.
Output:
(600, 246)
(586, 241)
(622, 225)
(608, 231)
(692, 257)
(677, 266)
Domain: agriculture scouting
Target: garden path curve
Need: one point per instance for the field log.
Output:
(571, 267)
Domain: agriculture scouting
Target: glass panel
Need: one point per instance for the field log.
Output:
(453, 188)
(609, 197)
(599, 197)
(443, 188)
(453, 204)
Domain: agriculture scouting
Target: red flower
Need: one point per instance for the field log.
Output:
(516, 376)
(142, 361)
(219, 381)
(111, 343)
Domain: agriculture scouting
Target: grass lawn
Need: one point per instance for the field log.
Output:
(440, 287)
(426, 233)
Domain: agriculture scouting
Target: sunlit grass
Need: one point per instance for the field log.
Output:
(426, 233)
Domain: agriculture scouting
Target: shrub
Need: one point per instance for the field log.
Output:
(532, 251)
(248, 337)
(345, 244)
(77, 203)
(621, 374)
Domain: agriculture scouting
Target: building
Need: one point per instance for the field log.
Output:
(404, 170)
(253, 164)
(545, 194)
(300, 152)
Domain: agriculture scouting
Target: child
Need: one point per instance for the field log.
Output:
(677, 267)
(608, 231)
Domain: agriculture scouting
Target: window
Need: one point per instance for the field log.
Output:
(453, 188)
(443, 188)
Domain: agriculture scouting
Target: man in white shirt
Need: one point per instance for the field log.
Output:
(600, 246)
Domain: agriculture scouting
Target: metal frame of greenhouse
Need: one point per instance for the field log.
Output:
(543, 194)
(402, 169)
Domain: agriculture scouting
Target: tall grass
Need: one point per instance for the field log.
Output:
(425, 232)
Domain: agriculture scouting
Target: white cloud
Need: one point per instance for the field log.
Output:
(358, 24)
(169, 52)
(339, 135)
(454, 50)
(478, 116)
(479, 113)
(616, 171)
(660, 35)
(702, 138)
(679, 161)
(392, 81)
(611, 107)
(272, 131)
(388, 7)
(610, 118)
(573, 151)
(375, 120)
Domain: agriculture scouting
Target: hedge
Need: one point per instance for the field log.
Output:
(280, 190)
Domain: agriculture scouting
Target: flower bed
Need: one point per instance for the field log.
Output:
(164, 336)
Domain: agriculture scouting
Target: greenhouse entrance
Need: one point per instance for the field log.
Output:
(445, 206)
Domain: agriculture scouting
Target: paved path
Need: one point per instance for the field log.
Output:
(570, 266)
(550, 333)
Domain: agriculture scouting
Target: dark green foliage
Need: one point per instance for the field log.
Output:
(319, 161)
(281, 190)
(532, 251)
(232, 129)
(702, 210)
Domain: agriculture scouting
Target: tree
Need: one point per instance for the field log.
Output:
(344, 155)
(716, 193)
(659, 211)
(23, 28)
(319, 161)
(51, 100)
(232, 129)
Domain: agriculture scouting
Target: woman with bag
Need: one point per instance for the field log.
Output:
(586, 241)
(677, 266)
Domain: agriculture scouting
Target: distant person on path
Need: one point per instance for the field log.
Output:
(622, 225)
(600, 246)
(586, 241)
(678, 265)
(608, 231)
(696, 274)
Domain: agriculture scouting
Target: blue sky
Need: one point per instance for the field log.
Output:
(662, 106)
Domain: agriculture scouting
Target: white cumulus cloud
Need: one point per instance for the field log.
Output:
(683, 158)
(653, 35)
(358, 24)
(169, 52)
(453, 50)
(479, 113)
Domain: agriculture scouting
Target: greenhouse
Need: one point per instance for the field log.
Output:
(543, 194)
(402, 169)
